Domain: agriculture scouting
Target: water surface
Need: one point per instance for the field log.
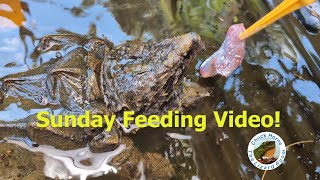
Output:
(281, 72)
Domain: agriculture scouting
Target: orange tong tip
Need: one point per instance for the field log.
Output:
(286, 7)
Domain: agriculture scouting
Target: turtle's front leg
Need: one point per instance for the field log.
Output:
(43, 84)
(32, 88)
(70, 87)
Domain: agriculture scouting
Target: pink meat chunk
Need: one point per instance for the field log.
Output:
(228, 58)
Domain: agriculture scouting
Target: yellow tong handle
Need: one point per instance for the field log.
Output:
(286, 7)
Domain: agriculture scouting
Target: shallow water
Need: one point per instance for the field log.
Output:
(281, 71)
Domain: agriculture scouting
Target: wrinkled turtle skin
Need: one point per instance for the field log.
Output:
(147, 77)
(93, 74)
(138, 77)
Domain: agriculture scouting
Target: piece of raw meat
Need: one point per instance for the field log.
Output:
(229, 57)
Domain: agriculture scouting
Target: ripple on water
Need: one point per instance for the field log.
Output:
(274, 78)
(67, 164)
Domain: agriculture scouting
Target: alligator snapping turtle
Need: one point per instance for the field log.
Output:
(94, 75)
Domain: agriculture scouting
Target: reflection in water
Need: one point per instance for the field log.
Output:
(12, 9)
(281, 72)
(66, 164)
(274, 79)
(306, 43)
(306, 89)
(148, 19)
(141, 19)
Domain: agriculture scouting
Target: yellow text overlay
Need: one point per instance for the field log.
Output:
(169, 120)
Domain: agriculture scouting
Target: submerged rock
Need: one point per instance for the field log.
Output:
(20, 163)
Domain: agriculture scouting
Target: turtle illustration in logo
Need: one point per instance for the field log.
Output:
(266, 152)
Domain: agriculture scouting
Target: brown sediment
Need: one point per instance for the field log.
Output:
(70, 138)
(19, 163)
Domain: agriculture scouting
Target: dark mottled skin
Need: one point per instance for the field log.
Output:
(94, 75)
(130, 76)
(147, 77)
